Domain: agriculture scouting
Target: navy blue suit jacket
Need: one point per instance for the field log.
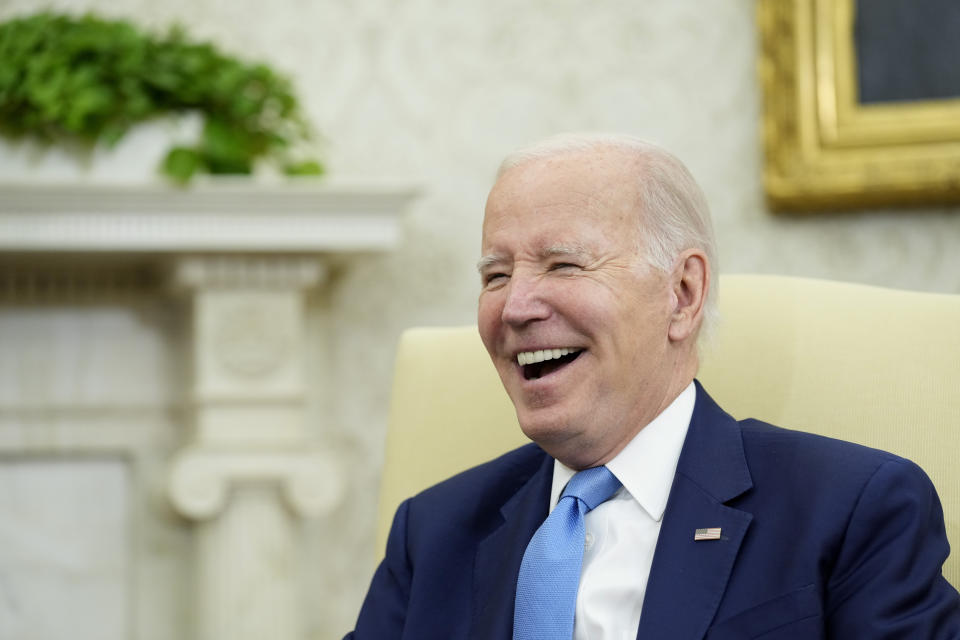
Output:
(820, 539)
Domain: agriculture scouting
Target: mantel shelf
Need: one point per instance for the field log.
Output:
(214, 216)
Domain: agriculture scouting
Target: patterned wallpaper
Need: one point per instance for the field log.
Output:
(434, 92)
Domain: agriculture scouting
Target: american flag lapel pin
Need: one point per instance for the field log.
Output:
(709, 533)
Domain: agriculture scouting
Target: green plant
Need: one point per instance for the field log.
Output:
(65, 79)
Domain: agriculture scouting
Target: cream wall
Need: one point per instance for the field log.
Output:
(434, 92)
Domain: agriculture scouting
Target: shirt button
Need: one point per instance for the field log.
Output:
(588, 540)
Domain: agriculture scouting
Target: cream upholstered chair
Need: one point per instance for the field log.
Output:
(875, 366)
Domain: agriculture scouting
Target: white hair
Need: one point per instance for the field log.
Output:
(676, 216)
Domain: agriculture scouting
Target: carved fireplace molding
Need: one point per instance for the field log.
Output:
(215, 216)
(244, 255)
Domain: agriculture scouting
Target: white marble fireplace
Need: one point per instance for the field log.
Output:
(155, 468)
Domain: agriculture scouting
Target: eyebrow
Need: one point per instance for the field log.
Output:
(575, 250)
(488, 261)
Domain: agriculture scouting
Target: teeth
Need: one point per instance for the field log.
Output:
(532, 357)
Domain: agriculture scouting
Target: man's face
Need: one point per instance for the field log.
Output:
(563, 275)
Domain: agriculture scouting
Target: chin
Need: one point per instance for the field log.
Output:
(549, 432)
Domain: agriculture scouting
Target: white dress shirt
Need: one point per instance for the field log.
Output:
(621, 533)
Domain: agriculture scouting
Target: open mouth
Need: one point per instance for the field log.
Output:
(536, 364)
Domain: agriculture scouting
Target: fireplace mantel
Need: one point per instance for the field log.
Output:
(214, 216)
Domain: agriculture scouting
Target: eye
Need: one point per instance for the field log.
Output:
(494, 278)
(560, 266)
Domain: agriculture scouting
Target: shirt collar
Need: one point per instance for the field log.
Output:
(647, 464)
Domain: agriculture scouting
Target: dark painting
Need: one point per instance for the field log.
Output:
(907, 50)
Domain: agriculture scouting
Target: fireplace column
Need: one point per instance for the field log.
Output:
(249, 473)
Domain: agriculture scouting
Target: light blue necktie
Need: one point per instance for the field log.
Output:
(550, 571)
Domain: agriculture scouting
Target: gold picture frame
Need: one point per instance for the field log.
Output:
(826, 150)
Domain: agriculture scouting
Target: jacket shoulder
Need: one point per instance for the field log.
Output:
(810, 469)
(451, 516)
(777, 446)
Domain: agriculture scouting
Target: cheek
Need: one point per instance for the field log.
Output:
(590, 308)
(644, 343)
(488, 317)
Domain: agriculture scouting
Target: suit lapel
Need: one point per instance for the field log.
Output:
(499, 555)
(688, 578)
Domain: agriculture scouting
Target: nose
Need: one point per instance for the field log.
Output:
(524, 302)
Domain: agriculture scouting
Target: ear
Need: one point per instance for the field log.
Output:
(691, 282)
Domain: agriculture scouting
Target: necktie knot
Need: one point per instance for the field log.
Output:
(592, 486)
